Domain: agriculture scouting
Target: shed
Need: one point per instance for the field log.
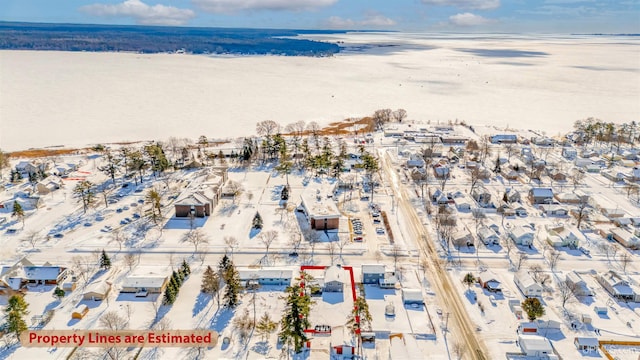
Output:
(601, 310)
(80, 311)
(489, 281)
(412, 296)
(586, 318)
(533, 345)
(586, 343)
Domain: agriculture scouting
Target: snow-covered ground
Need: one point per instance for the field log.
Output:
(79, 98)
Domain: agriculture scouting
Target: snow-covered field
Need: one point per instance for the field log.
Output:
(74, 99)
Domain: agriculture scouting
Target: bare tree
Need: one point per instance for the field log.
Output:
(196, 237)
(267, 127)
(332, 247)
(202, 254)
(234, 188)
(458, 349)
(313, 238)
(267, 238)
(566, 290)
(538, 275)
(82, 268)
(577, 177)
(522, 258)
(231, 242)
(399, 115)
(111, 320)
(130, 260)
(117, 235)
(625, 259)
(553, 259)
(341, 243)
(32, 237)
(581, 211)
(396, 252)
(508, 245)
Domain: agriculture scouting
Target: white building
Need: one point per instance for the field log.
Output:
(534, 345)
(526, 284)
(522, 235)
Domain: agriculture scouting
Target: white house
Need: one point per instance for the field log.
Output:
(522, 235)
(488, 236)
(535, 346)
(334, 278)
(558, 235)
(577, 283)
(412, 296)
(527, 285)
(625, 238)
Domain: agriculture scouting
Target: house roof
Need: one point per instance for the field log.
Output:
(526, 280)
(195, 198)
(334, 273)
(587, 341)
(265, 273)
(521, 231)
(144, 281)
(487, 277)
(541, 192)
(485, 232)
(535, 343)
(42, 272)
(373, 269)
(412, 294)
(98, 287)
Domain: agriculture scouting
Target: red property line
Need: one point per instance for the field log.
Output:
(353, 285)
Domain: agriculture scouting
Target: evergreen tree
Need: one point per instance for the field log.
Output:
(176, 275)
(169, 294)
(210, 282)
(18, 212)
(16, 310)
(173, 281)
(105, 261)
(284, 195)
(257, 221)
(58, 293)
(360, 311)
(266, 326)
(85, 192)
(295, 319)
(185, 268)
(232, 288)
(469, 280)
(224, 264)
(112, 167)
(533, 307)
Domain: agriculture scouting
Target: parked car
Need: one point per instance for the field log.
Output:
(58, 235)
(584, 250)
(379, 231)
(358, 239)
(293, 254)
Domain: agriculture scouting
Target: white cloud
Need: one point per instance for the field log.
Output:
(377, 20)
(230, 6)
(370, 20)
(142, 13)
(468, 19)
(466, 4)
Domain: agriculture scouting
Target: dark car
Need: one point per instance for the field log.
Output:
(293, 254)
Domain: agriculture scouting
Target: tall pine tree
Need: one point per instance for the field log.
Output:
(232, 288)
(16, 310)
(295, 319)
(105, 261)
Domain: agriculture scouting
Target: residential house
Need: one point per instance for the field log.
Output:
(463, 203)
(614, 176)
(488, 236)
(558, 235)
(334, 278)
(520, 210)
(97, 290)
(504, 139)
(577, 283)
(569, 153)
(511, 195)
(24, 273)
(412, 296)
(489, 281)
(553, 209)
(145, 280)
(535, 346)
(625, 238)
(567, 197)
(521, 235)
(195, 204)
(617, 287)
(441, 171)
(266, 276)
(541, 195)
(481, 195)
(27, 167)
(634, 175)
(320, 208)
(557, 175)
(29, 202)
(48, 185)
(415, 161)
(506, 210)
(372, 273)
(526, 284)
(512, 175)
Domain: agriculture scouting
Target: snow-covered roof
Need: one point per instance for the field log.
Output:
(318, 204)
(373, 269)
(42, 272)
(196, 199)
(541, 192)
(335, 273)
(525, 280)
(98, 287)
(485, 232)
(534, 343)
(587, 341)
(264, 273)
(521, 231)
(145, 277)
(412, 294)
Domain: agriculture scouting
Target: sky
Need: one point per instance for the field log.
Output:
(512, 16)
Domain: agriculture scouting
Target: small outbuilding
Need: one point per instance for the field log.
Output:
(586, 343)
(488, 280)
(97, 291)
(412, 296)
(80, 311)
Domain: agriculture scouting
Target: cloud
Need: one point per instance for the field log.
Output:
(230, 6)
(465, 4)
(142, 13)
(371, 20)
(468, 19)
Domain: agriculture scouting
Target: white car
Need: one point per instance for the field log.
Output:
(379, 231)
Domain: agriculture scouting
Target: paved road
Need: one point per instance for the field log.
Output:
(463, 329)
